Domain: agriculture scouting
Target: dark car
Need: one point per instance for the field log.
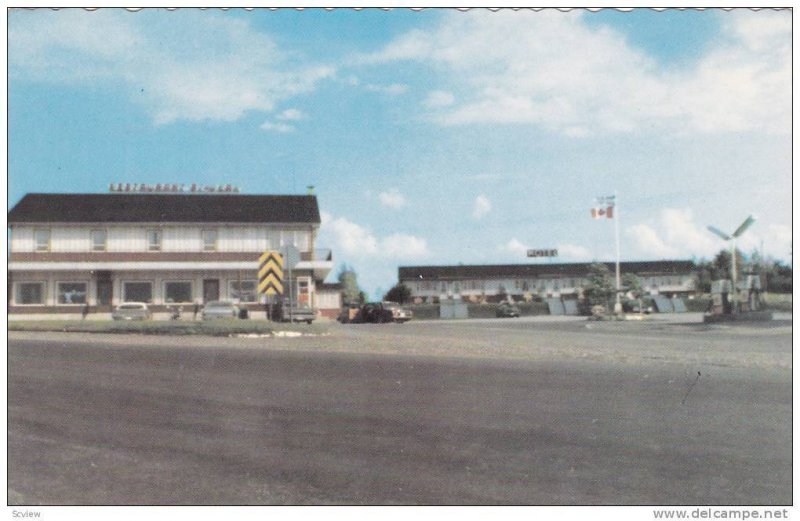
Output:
(632, 306)
(373, 313)
(506, 310)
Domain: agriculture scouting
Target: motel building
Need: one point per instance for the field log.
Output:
(476, 283)
(164, 245)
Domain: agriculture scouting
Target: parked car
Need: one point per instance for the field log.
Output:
(373, 313)
(399, 313)
(506, 310)
(283, 313)
(376, 313)
(220, 309)
(632, 306)
(348, 313)
(131, 311)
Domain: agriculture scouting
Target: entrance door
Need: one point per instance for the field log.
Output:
(104, 292)
(210, 290)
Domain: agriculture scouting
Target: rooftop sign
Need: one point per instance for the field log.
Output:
(543, 253)
(172, 188)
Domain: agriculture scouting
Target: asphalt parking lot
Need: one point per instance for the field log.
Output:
(528, 412)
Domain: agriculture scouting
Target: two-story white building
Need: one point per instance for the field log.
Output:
(69, 250)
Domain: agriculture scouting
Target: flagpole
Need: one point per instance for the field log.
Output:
(618, 305)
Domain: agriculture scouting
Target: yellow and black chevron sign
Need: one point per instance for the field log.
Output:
(270, 273)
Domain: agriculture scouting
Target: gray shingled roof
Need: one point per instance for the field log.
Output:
(499, 271)
(151, 208)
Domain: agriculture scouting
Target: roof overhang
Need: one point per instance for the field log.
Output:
(321, 269)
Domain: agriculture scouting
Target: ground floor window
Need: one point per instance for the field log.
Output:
(178, 291)
(137, 291)
(243, 290)
(71, 292)
(30, 293)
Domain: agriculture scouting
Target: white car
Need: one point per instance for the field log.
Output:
(131, 311)
(399, 313)
(220, 309)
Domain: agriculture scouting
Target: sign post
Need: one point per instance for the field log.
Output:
(270, 276)
(291, 257)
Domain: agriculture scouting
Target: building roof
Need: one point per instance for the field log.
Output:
(175, 208)
(512, 271)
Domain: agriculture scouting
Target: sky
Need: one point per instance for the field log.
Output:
(431, 137)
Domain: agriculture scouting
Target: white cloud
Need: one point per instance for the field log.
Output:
(514, 246)
(392, 199)
(349, 239)
(291, 115)
(439, 98)
(404, 246)
(647, 241)
(573, 252)
(481, 207)
(186, 65)
(395, 89)
(681, 231)
(544, 75)
(676, 234)
(282, 128)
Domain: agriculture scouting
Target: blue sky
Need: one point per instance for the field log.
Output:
(434, 137)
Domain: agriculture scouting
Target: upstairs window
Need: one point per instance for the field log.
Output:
(99, 240)
(42, 239)
(154, 240)
(209, 240)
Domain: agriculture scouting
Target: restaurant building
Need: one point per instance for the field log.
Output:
(163, 248)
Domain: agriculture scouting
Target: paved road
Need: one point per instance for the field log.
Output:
(510, 412)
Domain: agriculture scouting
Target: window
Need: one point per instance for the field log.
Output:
(178, 291)
(137, 291)
(243, 291)
(98, 240)
(209, 240)
(42, 238)
(71, 292)
(301, 240)
(154, 240)
(29, 293)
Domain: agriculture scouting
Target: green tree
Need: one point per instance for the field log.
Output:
(632, 284)
(400, 293)
(778, 278)
(598, 288)
(703, 276)
(721, 265)
(347, 277)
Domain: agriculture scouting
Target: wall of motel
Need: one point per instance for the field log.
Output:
(65, 290)
(542, 286)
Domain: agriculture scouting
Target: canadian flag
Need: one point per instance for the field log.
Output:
(608, 212)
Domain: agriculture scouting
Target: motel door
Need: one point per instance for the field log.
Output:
(210, 290)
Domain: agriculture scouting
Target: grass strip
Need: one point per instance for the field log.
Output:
(221, 327)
